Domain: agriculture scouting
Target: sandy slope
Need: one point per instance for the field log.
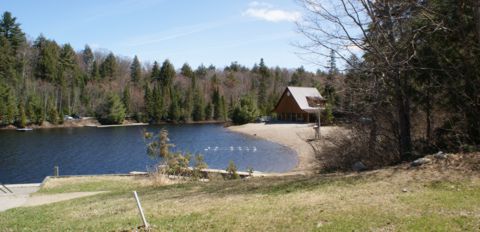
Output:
(291, 135)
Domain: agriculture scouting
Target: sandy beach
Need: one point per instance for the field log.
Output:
(294, 136)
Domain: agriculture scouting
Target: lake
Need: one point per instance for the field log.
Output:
(27, 157)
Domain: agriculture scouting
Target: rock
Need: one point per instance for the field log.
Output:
(421, 161)
(440, 155)
(404, 190)
(359, 166)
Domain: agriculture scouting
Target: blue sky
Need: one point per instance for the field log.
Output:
(207, 31)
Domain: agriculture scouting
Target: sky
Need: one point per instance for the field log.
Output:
(214, 32)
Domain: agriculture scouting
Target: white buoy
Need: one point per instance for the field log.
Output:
(254, 149)
(231, 148)
(239, 148)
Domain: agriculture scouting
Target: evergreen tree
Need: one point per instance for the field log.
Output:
(126, 99)
(174, 109)
(208, 111)
(198, 113)
(135, 70)
(148, 99)
(155, 74)
(158, 104)
(95, 74)
(245, 112)
(217, 104)
(7, 61)
(262, 88)
(201, 71)
(47, 62)
(112, 111)
(298, 77)
(167, 73)
(53, 116)
(108, 68)
(88, 58)
(223, 109)
(186, 70)
(332, 68)
(10, 29)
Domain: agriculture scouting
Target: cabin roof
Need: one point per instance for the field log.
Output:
(300, 95)
(303, 96)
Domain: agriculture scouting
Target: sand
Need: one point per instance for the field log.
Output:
(294, 136)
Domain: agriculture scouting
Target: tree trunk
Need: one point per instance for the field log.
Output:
(403, 110)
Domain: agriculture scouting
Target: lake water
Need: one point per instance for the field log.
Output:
(27, 157)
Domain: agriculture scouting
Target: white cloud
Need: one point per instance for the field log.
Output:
(265, 11)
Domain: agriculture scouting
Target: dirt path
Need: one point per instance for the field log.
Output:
(294, 136)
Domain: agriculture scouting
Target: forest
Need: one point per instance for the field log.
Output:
(42, 81)
(415, 88)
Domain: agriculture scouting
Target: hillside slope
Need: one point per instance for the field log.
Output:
(441, 196)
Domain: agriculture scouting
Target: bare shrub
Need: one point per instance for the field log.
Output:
(340, 151)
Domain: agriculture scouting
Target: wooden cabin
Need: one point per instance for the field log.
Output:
(299, 104)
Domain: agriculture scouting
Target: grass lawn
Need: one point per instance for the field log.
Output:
(394, 199)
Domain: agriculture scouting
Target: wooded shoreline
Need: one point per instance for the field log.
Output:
(92, 122)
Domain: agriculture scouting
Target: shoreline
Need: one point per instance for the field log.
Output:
(293, 136)
(93, 123)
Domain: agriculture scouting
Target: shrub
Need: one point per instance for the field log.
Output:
(199, 165)
(232, 171)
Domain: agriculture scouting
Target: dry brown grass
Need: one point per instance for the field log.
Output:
(442, 196)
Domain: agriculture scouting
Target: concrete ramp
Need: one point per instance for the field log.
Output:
(21, 196)
(18, 197)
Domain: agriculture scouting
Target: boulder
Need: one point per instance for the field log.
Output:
(440, 155)
(359, 166)
(421, 161)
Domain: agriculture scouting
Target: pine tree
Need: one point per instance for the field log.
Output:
(155, 74)
(88, 58)
(198, 113)
(186, 70)
(112, 111)
(10, 29)
(7, 61)
(262, 88)
(135, 70)
(95, 74)
(148, 99)
(48, 58)
(223, 109)
(332, 68)
(217, 111)
(126, 100)
(158, 104)
(167, 73)
(174, 109)
(108, 68)
(208, 111)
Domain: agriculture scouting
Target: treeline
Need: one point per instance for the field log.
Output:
(42, 81)
(415, 89)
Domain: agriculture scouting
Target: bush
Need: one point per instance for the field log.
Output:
(232, 171)
(199, 165)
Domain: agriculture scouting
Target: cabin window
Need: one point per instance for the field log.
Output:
(314, 101)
